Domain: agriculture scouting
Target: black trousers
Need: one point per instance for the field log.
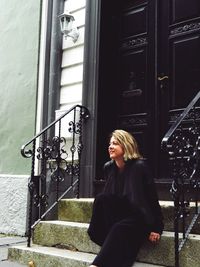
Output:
(119, 229)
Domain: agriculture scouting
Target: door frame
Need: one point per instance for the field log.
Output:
(90, 99)
(90, 95)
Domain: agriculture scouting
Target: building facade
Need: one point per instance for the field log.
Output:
(35, 60)
(134, 66)
(19, 31)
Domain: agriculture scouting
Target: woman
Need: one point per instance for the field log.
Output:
(128, 211)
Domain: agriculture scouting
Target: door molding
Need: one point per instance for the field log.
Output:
(90, 94)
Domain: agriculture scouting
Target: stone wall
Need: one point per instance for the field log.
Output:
(13, 208)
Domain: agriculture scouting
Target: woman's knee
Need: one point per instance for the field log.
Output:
(131, 227)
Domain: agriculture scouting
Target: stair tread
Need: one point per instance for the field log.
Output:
(90, 200)
(164, 203)
(159, 255)
(68, 254)
(85, 226)
(67, 223)
(57, 252)
(78, 199)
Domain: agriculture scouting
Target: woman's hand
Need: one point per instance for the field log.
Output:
(154, 237)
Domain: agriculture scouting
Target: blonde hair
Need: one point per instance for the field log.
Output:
(129, 144)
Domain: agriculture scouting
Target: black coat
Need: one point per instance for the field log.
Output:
(137, 186)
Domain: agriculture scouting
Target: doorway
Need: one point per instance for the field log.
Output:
(149, 70)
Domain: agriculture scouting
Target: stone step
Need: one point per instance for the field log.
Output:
(71, 235)
(157, 255)
(163, 253)
(48, 256)
(74, 236)
(53, 257)
(11, 264)
(76, 210)
(80, 210)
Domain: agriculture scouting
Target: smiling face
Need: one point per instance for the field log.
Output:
(115, 150)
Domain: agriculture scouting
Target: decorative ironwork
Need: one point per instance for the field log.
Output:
(134, 42)
(176, 114)
(186, 28)
(133, 120)
(132, 93)
(182, 142)
(55, 169)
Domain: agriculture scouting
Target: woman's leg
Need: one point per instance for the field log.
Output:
(107, 210)
(122, 244)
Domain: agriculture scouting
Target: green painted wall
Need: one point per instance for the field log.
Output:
(19, 41)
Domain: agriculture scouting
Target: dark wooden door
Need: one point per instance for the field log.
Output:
(137, 59)
(178, 62)
(149, 71)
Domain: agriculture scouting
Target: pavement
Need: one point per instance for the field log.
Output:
(5, 243)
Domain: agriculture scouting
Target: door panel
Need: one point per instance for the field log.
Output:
(134, 21)
(185, 71)
(178, 59)
(133, 89)
(149, 71)
(135, 111)
(184, 10)
(177, 50)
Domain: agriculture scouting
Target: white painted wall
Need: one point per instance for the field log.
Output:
(72, 60)
(72, 66)
(13, 208)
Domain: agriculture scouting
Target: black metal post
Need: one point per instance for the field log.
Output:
(31, 191)
(176, 231)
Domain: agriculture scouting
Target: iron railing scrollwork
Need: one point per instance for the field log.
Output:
(182, 142)
(55, 169)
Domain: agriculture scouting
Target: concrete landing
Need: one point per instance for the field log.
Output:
(5, 243)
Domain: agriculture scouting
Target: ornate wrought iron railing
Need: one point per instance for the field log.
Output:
(182, 142)
(55, 168)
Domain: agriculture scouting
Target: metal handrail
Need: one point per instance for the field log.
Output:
(178, 121)
(53, 150)
(183, 146)
(86, 111)
(54, 204)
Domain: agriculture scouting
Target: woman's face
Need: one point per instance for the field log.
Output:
(115, 150)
